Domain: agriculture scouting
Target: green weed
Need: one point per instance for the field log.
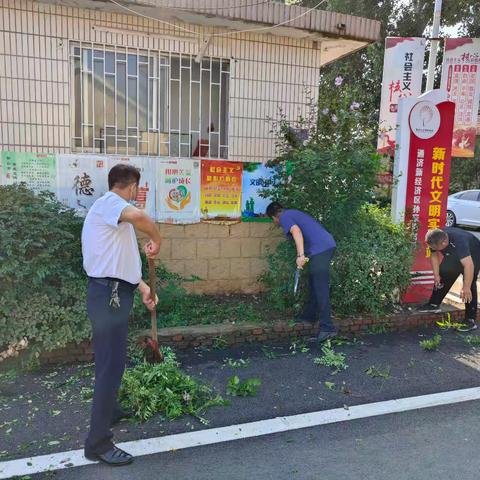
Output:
(248, 388)
(269, 352)
(240, 363)
(376, 372)
(378, 329)
(331, 359)
(447, 324)
(219, 343)
(472, 340)
(298, 346)
(432, 343)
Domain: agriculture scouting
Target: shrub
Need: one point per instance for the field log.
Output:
(332, 175)
(369, 270)
(331, 185)
(40, 243)
(43, 285)
(372, 264)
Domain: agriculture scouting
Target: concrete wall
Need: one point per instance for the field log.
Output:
(267, 73)
(227, 258)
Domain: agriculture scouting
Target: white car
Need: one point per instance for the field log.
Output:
(464, 209)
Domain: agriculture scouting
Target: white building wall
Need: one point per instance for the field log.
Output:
(267, 72)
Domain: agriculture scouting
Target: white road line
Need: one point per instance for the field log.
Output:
(75, 458)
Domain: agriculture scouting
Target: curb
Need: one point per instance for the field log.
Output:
(227, 334)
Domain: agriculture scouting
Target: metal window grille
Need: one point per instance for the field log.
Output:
(131, 101)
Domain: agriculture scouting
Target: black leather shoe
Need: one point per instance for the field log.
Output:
(114, 457)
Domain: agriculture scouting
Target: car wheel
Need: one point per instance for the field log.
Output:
(451, 220)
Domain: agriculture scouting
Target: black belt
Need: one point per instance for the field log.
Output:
(110, 282)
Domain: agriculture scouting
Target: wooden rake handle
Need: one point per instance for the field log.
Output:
(152, 280)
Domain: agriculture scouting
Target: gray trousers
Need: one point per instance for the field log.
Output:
(110, 333)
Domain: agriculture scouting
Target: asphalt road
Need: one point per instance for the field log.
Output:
(436, 443)
(475, 232)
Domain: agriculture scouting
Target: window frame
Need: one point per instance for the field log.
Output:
(172, 140)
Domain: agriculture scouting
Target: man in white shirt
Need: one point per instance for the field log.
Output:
(112, 262)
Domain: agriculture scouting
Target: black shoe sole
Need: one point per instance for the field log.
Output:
(95, 458)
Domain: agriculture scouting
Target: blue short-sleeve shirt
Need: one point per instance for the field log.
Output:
(316, 238)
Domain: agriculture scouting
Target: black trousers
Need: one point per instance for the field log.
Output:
(318, 304)
(450, 269)
(110, 332)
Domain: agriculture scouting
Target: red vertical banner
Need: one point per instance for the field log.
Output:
(430, 150)
(461, 80)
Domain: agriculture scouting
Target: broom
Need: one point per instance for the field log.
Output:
(152, 352)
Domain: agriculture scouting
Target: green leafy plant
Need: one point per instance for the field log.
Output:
(8, 377)
(377, 329)
(432, 343)
(378, 372)
(330, 358)
(447, 324)
(339, 341)
(248, 388)
(332, 175)
(164, 389)
(298, 346)
(269, 353)
(219, 343)
(180, 308)
(329, 385)
(472, 340)
(43, 283)
(240, 363)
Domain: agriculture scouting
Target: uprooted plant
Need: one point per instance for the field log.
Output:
(164, 389)
(332, 359)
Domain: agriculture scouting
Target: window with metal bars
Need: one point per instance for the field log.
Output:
(130, 101)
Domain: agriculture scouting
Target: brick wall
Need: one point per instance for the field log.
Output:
(205, 335)
(228, 259)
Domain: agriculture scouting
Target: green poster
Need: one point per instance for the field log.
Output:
(37, 170)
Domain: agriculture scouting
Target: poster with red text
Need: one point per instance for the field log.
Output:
(461, 79)
(402, 78)
(221, 191)
(422, 166)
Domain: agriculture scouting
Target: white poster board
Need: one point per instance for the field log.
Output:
(461, 79)
(402, 78)
(82, 179)
(178, 191)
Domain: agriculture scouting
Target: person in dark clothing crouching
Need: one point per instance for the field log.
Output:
(317, 246)
(461, 256)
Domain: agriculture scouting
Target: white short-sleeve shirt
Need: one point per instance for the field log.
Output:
(110, 248)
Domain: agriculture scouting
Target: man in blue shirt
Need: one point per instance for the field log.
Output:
(317, 246)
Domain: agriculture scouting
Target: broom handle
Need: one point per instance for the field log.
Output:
(153, 289)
